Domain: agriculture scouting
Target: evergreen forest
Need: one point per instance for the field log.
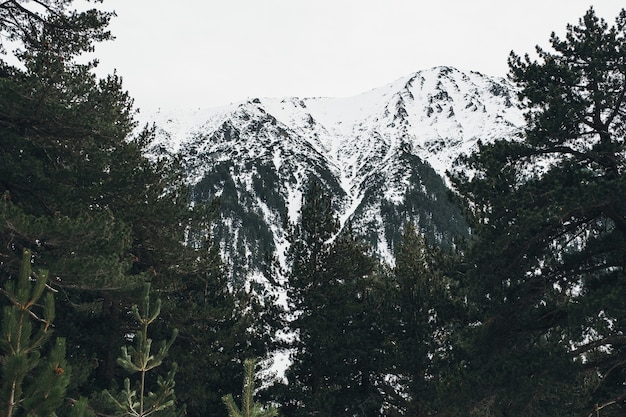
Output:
(116, 302)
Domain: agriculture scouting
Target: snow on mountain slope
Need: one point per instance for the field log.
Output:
(382, 154)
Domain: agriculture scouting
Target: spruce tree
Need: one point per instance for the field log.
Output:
(354, 335)
(218, 328)
(545, 273)
(421, 303)
(336, 364)
(309, 248)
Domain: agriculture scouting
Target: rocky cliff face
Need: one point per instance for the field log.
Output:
(382, 155)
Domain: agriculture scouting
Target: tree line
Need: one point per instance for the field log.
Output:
(102, 255)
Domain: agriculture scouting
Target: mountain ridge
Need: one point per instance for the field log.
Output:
(382, 154)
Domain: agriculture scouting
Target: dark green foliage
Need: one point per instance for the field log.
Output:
(218, 328)
(529, 321)
(93, 210)
(32, 384)
(63, 135)
(53, 238)
(308, 289)
(337, 363)
(79, 192)
(422, 305)
(545, 270)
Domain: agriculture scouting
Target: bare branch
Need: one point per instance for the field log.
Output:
(618, 105)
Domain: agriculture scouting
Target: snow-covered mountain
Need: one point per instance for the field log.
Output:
(382, 154)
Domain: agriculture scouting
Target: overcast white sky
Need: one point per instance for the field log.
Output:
(207, 53)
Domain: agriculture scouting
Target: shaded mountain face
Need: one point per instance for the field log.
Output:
(382, 155)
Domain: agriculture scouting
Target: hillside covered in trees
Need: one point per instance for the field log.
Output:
(116, 299)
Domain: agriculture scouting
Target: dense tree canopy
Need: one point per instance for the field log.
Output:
(337, 365)
(546, 275)
(422, 306)
(43, 25)
(525, 319)
(80, 193)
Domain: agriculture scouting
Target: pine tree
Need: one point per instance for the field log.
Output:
(545, 273)
(33, 26)
(62, 130)
(78, 190)
(138, 400)
(31, 383)
(249, 408)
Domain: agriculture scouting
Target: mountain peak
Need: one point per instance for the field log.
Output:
(383, 155)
